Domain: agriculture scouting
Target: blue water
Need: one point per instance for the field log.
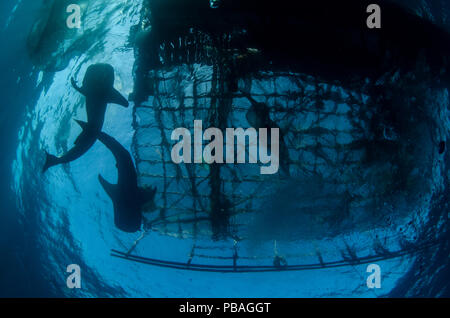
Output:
(16, 241)
(47, 223)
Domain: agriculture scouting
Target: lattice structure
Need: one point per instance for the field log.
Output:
(279, 264)
(325, 134)
(356, 153)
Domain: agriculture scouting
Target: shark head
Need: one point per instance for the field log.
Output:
(98, 82)
(98, 78)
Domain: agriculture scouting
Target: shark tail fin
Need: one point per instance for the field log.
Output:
(50, 161)
(115, 97)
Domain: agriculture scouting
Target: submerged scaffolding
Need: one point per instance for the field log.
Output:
(276, 266)
(356, 154)
(341, 158)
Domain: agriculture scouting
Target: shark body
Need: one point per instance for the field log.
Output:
(128, 199)
(99, 91)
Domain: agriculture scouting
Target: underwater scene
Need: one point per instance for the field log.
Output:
(225, 148)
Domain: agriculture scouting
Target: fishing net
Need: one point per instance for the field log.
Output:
(358, 162)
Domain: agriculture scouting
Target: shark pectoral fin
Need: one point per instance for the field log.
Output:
(116, 98)
(110, 189)
(79, 89)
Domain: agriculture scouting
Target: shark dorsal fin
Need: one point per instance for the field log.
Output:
(82, 124)
(111, 189)
(115, 97)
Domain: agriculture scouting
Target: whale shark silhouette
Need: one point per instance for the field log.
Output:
(99, 91)
(128, 199)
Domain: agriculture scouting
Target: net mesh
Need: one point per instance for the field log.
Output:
(343, 156)
(359, 170)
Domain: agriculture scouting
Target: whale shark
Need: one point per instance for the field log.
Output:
(128, 199)
(99, 91)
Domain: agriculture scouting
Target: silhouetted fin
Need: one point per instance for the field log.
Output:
(111, 189)
(116, 98)
(50, 161)
(80, 137)
(79, 89)
(82, 124)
